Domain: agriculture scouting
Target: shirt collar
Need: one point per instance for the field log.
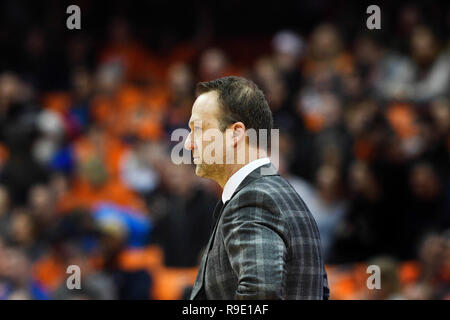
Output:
(234, 181)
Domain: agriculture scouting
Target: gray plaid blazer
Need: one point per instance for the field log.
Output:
(265, 245)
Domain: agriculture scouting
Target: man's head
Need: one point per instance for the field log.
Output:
(227, 118)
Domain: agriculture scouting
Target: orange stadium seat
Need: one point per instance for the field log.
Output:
(170, 282)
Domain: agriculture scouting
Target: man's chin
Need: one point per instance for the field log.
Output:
(199, 171)
(203, 170)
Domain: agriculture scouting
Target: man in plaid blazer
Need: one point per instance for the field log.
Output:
(265, 243)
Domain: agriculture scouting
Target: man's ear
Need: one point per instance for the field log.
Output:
(238, 132)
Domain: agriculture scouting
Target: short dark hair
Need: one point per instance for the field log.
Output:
(240, 100)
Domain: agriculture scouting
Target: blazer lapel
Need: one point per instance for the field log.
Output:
(201, 274)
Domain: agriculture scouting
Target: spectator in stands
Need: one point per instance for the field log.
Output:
(184, 220)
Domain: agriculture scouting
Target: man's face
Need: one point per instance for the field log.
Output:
(205, 138)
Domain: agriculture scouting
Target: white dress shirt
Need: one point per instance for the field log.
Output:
(239, 176)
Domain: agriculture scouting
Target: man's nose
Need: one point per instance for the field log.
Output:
(189, 143)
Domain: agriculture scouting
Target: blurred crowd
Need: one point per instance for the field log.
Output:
(86, 176)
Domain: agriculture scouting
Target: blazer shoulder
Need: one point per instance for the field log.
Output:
(264, 191)
(269, 185)
(274, 191)
(261, 187)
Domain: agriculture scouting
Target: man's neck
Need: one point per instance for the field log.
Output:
(231, 169)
